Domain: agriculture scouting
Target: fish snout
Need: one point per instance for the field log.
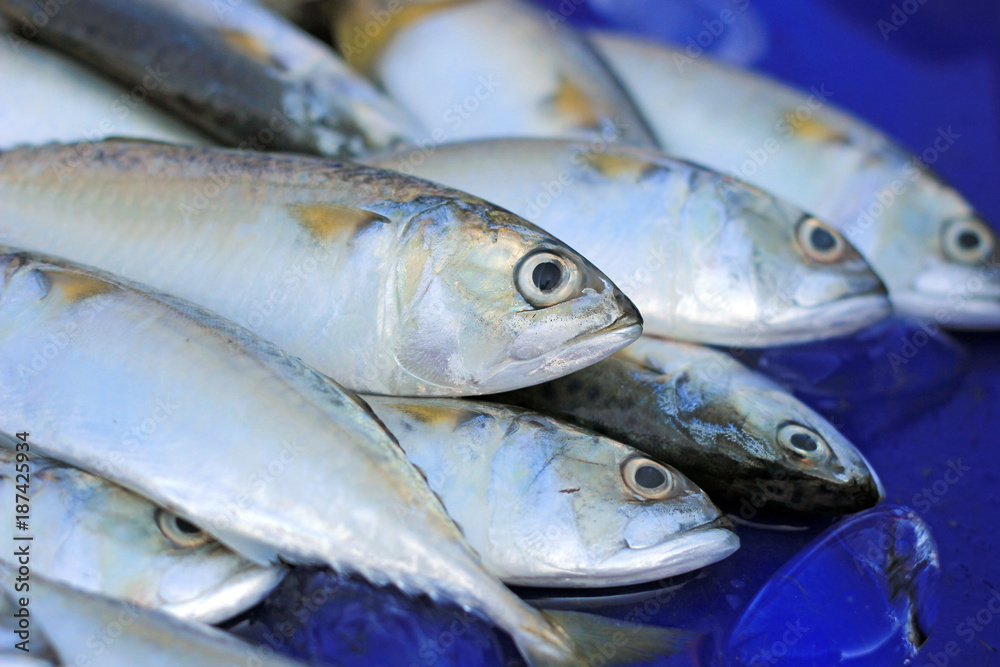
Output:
(958, 297)
(630, 315)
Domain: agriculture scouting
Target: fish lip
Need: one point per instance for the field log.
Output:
(711, 542)
(975, 312)
(840, 317)
(627, 332)
(721, 521)
(873, 478)
(235, 595)
(557, 364)
(622, 323)
(857, 492)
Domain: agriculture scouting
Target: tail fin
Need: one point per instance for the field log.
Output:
(596, 641)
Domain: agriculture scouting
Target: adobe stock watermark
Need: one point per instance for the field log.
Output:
(365, 33)
(933, 493)
(302, 611)
(566, 9)
(27, 29)
(767, 490)
(638, 617)
(784, 128)
(712, 30)
(47, 351)
(898, 17)
(121, 108)
(261, 478)
(912, 172)
(550, 190)
(291, 280)
(161, 411)
(432, 650)
(778, 649)
(454, 117)
(968, 630)
(214, 184)
(105, 638)
(911, 344)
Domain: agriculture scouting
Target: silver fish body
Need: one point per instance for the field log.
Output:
(48, 97)
(546, 504)
(732, 431)
(519, 73)
(388, 284)
(705, 257)
(935, 254)
(74, 627)
(264, 453)
(100, 537)
(237, 71)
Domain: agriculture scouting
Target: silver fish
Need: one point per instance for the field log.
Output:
(389, 284)
(73, 627)
(936, 255)
(99, 537)
(48, 97)
(264, 453)
(705, 258)
(732, 431)
(237, 71)
(547, 504)
(486, 68)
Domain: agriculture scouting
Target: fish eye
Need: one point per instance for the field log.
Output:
(647, 478)
(544, 278)
(803, 442)
(967, 240)
(180, 531)
(819, 241)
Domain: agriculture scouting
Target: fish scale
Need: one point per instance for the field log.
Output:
(901, 216)
(704, 257)
(299, 249)
(237, 71)
(267, 455)
(716, 421)
(103, 538)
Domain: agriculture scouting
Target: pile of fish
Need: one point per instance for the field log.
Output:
(430, 303)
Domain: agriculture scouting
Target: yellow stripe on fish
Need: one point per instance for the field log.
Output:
(325, 222)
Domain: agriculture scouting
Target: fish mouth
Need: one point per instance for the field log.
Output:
(580, 351)
(588, 348)
(233, 596)
(973, 312)
(825, 496)
(837, 318)
(691, 550)
(628, 323)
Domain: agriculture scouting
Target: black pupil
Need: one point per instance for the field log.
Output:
(822, 240)
(968, 240)
(547, 276)
(803, 442)
(186, 526)
(649, 477)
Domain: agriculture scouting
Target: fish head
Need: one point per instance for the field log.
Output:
(771, 270)
(940, 259)
(803, 275)
(595, 512)
(751, 439)
(488, 302)
(805, 465)
(117, 543)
